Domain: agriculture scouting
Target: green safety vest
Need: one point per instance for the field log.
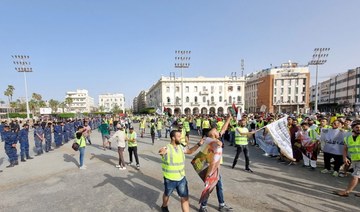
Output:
(260, 124)
(159, 125)
(198, 122)
(353, 147)
(312, 135)
(219, 125)
(81, 141)
(206, 124)
(183, 136)
(318, 129)
(187, 126)
(173, 163)
(239, 139)
(232, 123)
(131, 136)
(142, 124)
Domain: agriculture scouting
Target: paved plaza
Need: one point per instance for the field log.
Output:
(53, 182)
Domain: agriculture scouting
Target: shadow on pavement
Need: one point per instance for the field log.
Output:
(105, 158)
(70, 158)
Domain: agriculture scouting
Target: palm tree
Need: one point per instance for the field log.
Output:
(13, 106)
(62, 105)
(9, 92)
(54, 105)
(21, 105)
(37, 96)
(68, 102)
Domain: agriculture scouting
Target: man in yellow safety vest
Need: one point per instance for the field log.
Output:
(173, 168)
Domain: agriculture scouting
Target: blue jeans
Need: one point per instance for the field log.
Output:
(159, 133)
(82, 154)
(167, 130)
(180, 186)
(219, 193)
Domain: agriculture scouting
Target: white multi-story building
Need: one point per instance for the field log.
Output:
(109, 101)
(200, 94)
(80, 101)
(135, 105)
(278, 89)
(339, 93)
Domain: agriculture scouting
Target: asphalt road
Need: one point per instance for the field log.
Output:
(53, 182)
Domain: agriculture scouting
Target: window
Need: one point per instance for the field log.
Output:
(297, 81)
(204, 98)
(212, 89)
(187, 89)
(212, 99)
(230, 99)
(296, 99)
(204, 88)
(239, 98)
(282, 91)
(195, 99)
(220, 98)
(187, 99)
(281, 99)
(220, 88)
(167, 89)
(177, 88)
(230, 88)
(289, 91)
(195, 89)
(282, 82)
(289, 82)
(296, 90)
(238, 88)
(275, 91)
(168, 99)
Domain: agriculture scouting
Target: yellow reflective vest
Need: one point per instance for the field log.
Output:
(173, 163)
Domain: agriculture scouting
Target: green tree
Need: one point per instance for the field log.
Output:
(101, 108)
(116, 109)
(68, 101)
(9, 92)
(54, 105)
(21, 105)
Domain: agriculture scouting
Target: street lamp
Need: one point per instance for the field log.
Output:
(23, 66)
(182, 60)
(318, 59)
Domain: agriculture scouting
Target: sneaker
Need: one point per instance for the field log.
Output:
(117, 166)
(325, 171)
(203, 209)
(122, 168)
(225, 208)
(138, 166)
(335, 174)
(164, 209)
(266, 154)
(249, 170)
(82, 167)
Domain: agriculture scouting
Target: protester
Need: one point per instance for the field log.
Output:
(352, 146)
(241, 143)
(131, 138)
(120, 138)
(105, 134)
(80, 139)
(173, 166)
(309, 145)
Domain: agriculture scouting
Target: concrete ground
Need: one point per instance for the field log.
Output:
(53, 182)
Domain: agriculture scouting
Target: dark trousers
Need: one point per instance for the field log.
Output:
(131, 151)
(239, 149)
(338, 159)
(205, 132)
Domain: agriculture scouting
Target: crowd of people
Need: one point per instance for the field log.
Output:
(305, 136)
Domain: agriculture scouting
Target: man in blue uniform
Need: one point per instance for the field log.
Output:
(58, 134)
(24, 143)
(39, 139)
(67, 131)
(48, 139)
(10, 139)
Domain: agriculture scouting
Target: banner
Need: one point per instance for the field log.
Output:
(206, 163)
(158, 111)
(332, 140)
(265, 142)
(281, 136)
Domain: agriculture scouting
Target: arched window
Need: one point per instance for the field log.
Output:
(187, 99)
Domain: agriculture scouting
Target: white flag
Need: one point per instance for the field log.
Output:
(280, 133)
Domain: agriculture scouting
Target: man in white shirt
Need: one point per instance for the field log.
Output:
(120, 138)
